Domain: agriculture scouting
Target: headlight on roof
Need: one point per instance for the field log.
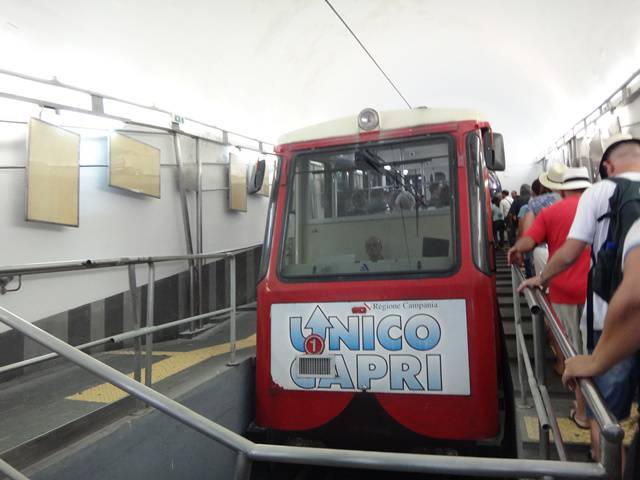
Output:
(368, 119)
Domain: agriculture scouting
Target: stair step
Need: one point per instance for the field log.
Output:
(508, 300)
(512, 348)
(507, 312)
(510, 329)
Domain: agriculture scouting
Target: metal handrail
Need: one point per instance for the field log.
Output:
(611, 432)
(130, 262)
(120, 337)
(602, 415)
(249, 451)
(11, 472)
(74, 265)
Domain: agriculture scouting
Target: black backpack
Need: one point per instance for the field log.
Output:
(606, 274)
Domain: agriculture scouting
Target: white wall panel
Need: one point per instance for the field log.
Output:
(113, 223)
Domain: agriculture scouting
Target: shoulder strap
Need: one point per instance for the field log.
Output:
(590, 342)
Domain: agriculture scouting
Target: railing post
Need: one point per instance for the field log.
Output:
(517, 318)
(150, 315)
(137, 360)
(611, 457)
(539, 360)
(243, 467)
(232, 313)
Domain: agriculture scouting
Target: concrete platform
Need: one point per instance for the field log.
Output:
(42, 401)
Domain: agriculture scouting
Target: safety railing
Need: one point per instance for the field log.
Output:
(149, 329)
(249, 452)
(611, 433)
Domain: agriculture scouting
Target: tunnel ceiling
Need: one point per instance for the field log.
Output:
(265, 67)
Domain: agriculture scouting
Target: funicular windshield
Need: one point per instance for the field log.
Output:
(372, 210)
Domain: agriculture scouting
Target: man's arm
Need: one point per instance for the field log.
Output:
(621, 335)
(566, 256)
(535, 234)
(523, 245)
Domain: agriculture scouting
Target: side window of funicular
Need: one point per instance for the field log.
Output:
(477, 203)
(371, 210)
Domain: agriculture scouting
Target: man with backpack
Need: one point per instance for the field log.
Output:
(621, 335)
(614, 202)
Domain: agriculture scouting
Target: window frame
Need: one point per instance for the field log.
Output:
(475, 180)
(267, 242)
(398, 275)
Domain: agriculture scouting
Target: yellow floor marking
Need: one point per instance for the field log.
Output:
(177, 362)
(131, 353)
(572, 434)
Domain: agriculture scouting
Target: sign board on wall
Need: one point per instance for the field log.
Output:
(404, 346)
(53, 174)
(268, 178)
(134, 166)
(237, 183)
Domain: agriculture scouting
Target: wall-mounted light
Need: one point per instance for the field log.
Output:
(76, 120)
(42, 91)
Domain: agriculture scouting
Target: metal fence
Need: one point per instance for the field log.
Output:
(249, 452)
(149, 329)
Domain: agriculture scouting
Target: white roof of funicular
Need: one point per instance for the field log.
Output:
(389, 120)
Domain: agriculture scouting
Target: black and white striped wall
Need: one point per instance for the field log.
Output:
(113, 315)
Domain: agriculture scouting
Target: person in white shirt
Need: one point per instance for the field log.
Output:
(505, 203)
(621, 335)
(621, 158)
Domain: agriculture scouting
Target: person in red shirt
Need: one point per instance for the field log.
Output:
(568, 290)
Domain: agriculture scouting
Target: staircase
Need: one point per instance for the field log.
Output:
(575, 439)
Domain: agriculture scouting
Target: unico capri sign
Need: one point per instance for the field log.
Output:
(410, 346)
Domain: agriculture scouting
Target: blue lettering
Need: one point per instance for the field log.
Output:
(295, 333)
(370, 367)
(418, 323)
(340, 333)
(384, 333)
(404, 370)
(343, 379)
(434, 373)
(368, 333)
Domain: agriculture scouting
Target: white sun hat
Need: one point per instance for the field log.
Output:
(560, 177)
(609, 144)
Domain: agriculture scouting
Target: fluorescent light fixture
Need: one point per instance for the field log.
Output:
(246, 156)
(634, 84)
(42, 91)
(17, 111)
(603, 124)
(592, 118)
(624, 115)
(241, 141)
(616, 99)
(201, 130)
(76, 120)
(147, 116)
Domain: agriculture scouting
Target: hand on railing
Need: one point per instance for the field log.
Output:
(514, 257)
(532, 282)
(580, 366)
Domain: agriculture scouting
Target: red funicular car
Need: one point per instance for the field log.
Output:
(377, 311)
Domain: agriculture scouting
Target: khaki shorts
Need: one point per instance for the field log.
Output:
(569, 315)
(540, 257)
